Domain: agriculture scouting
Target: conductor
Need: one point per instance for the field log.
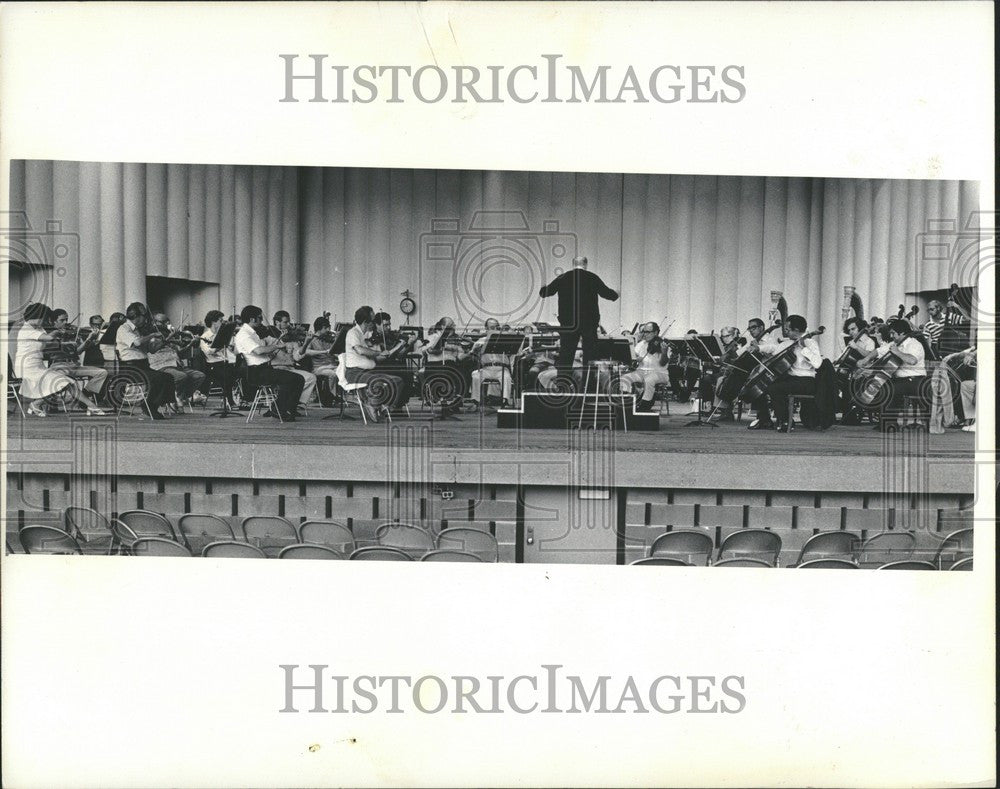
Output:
(579, 314)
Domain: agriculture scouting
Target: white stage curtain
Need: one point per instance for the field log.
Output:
(692, 251)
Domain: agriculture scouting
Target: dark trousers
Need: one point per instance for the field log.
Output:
(958, 371)
(159, 386)
(682, 379)
(289, 385)
(908, 387)
(220, 374)
(778, 393)
(568, 340)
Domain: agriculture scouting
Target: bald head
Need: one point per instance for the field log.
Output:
(580, 262)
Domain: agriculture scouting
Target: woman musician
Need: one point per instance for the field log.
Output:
(741, 355)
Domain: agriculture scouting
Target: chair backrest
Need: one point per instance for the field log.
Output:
(962, 564)
(695, 547)
(886, 547)
(158, 546)
(663, 561)
(830, 544)
(205, 526)
(48, 540)
(412, 539)
(147, 524)
(759, 544)
(828, 564)
(745, 561)
(448, 555)
(230, 549)
(461, 538)
(84, 520)
(377, 553)
(304, 550)
(330, 533)
(269, 532)
(908, 564)
(956, 546)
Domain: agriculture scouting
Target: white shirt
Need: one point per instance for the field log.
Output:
(863, 343)
(912, 347)
(807, 356)
(441, 353)
(356, 338)
(650, 362)
(246, 340)
(127, 336)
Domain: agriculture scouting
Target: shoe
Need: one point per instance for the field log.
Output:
(36, 411)
(783, 427)
(759, 424)
(95, 412)
(969, 429)
(289, 417)
(198, 398)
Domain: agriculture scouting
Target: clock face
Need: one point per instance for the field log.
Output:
(407, 306)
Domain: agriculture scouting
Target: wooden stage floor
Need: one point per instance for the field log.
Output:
(470, 431)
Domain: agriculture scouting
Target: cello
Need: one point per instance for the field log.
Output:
(767, 372)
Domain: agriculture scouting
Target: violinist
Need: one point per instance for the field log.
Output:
(257, 352)
(683, 370)
(395, 347)
(218, 361)
(187, 381)
(651, 352)
(136, 338)
(319, 347)
(67, 357)
(292, 342)
(909, 378)
(110, 337)
(800, 379)
(859, 345)
(92, 356)
(445, 349)
(360, 359)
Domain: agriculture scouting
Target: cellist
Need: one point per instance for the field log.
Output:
(800, 379)
(909, 378)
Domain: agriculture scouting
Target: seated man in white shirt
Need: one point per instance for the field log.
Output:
(290, 353)
(909, 379)
(257, 352)
(134, 340)
(384, 389)
(800, 379)
(652, 353)
(187, 381)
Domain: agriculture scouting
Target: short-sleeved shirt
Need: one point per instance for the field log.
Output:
(912, 347)
(356, 337)
(246, 340)
(124, 341)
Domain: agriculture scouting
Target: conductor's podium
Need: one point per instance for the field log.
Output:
(541, 410)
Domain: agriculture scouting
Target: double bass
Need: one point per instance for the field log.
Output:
(767, 372)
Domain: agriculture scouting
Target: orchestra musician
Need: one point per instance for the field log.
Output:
(291, 350)
(39, 381)
(218, 361)
(800, 379)
(134, 340)
(257, 348)
(579, 314)
(384, 389)
(492, 366)
(187, 381)
(530, 361)
(909, 378)
(92, 355)
(324, 364)
(651, 351)
(395, 347)
(740, 361)
(684, 371)
(67, 356)
(859, 345)
(961, 367)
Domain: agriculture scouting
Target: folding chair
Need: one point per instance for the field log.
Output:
(198, 530)
(304, 550)
(158, 546)
(265, 398)
(885, 548)
(91, 529)
(14, 386)
(48, 540)
(378, 553)
(907, 564)
(690, 545)
(474, 541)
(413, 540)
(350, 394)
(663, 561)
(956, 546)
(963, 564)
(270, 533)
(759, 544)
(230, 549)
(828, 564)
(329, 533)
(450, 556)
(830, 544)
(144, 523)
(744, 561)
(132, 395)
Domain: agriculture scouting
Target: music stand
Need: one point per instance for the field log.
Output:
(706, 348)
(221, 343)
(504, 344)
